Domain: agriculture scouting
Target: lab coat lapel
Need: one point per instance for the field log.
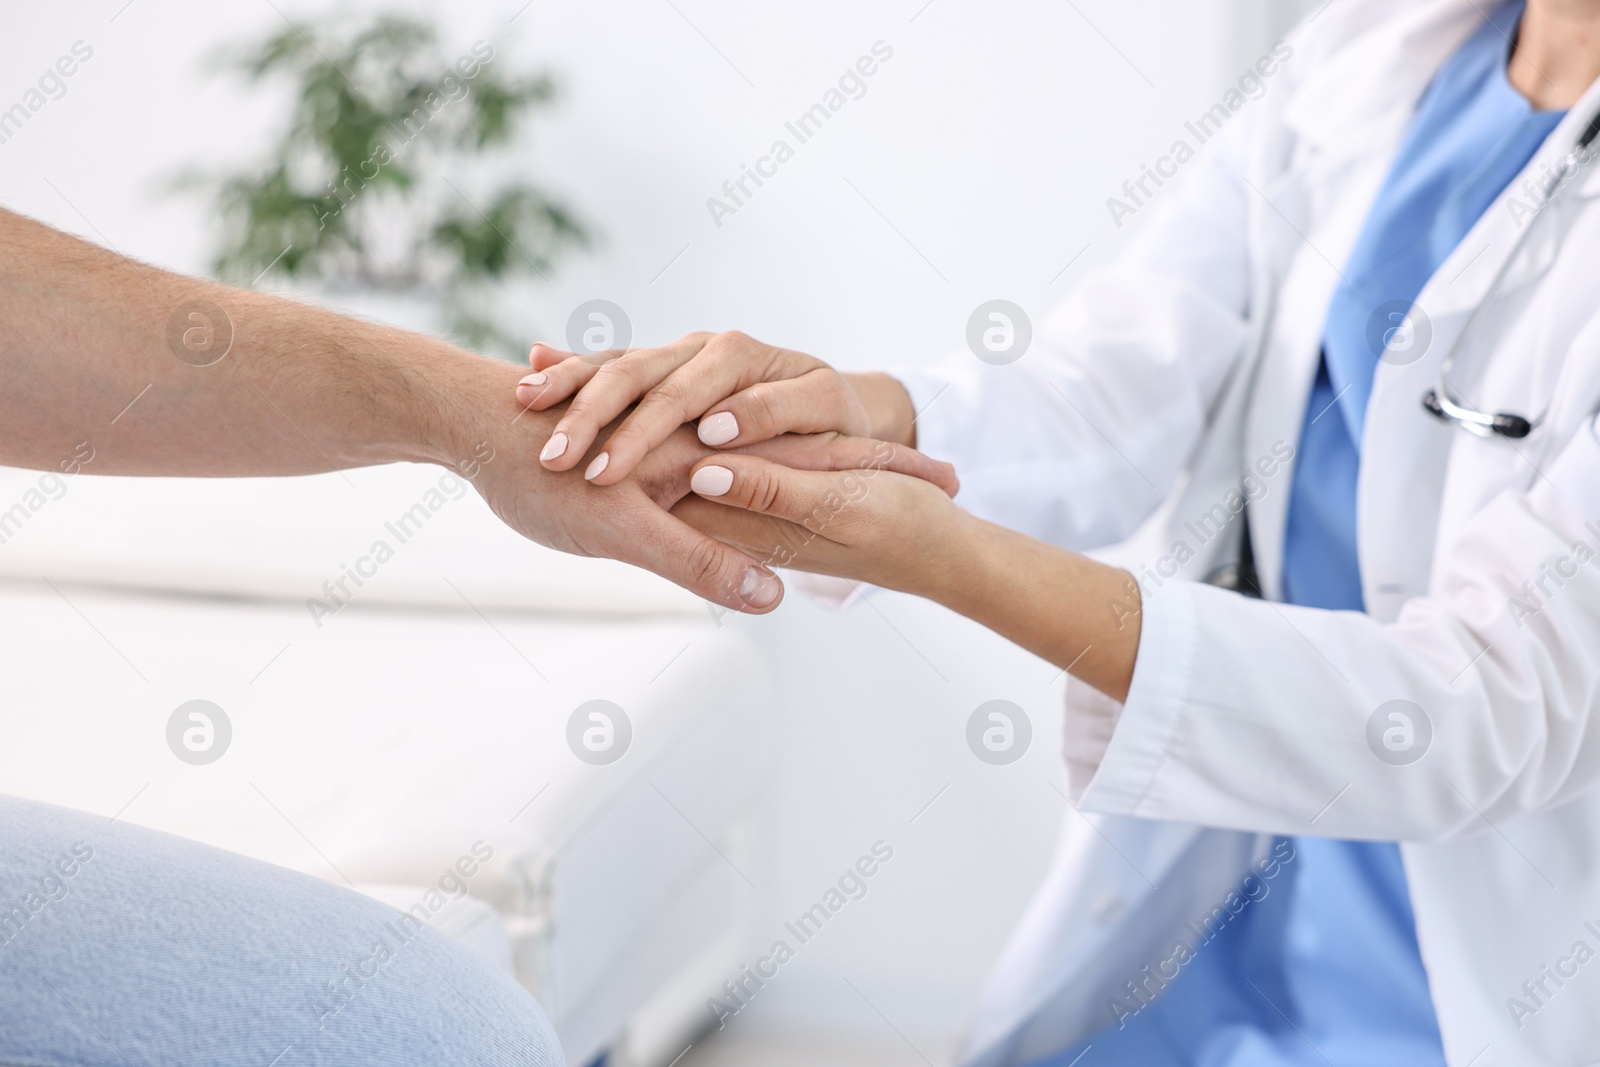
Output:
(1405, 449)
(1361, 97)
(1358, 91)
(1083, 938)
(1586, 184)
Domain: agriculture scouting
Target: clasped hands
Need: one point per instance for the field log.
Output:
(756, 457)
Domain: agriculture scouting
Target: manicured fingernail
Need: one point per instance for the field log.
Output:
(711, 481)
(718, 429)
(597, 466)
(757, 588)
(538, 377)
(554, 447)
(530, 389)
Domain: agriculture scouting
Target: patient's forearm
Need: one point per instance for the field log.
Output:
(101, 350)
(161, 374)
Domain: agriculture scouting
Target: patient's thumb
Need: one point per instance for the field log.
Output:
(707, 567)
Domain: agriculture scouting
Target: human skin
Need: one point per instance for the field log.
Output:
(1079, 614)
(1557, 56)
(871, 524)
(162, 374)
(903, 533)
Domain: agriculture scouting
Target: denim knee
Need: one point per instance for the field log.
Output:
(123, 945)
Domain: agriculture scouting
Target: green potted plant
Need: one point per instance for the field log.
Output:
(382, 183)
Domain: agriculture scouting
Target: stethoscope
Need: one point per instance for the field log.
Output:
(1441, 400)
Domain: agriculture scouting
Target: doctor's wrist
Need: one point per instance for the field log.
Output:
(1082, 615)
(958, 563)
(890, 414)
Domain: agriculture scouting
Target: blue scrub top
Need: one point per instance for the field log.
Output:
(1314, 961)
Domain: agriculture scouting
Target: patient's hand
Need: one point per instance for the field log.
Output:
(629, 519)
(740, 390)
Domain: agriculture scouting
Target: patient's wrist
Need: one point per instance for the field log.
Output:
(446, 404)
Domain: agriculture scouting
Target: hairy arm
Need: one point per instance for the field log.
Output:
(162, 374)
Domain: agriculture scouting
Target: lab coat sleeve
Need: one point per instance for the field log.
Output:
(1082, 437)
(1273, 718)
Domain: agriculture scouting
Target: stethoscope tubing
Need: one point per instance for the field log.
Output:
(1441, 401)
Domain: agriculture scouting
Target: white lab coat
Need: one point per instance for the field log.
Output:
(1185, 364)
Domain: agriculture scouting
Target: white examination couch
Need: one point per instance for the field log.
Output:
(423, 721)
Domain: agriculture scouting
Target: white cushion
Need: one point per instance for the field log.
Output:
(285, 537)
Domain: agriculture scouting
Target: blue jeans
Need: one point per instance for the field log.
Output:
(124, 947)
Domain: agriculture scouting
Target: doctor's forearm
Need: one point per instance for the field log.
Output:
(163, 374)
(1079, 614)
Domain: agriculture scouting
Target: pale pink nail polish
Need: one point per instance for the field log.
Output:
(758, 588)
(711, 481)
(554, 447)
(597, 466)
(538, 377)
(718, 429)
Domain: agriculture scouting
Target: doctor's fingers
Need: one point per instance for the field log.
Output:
(837, 452)
(727, 364)
(557, 375)
(817, 401)
(664, 474)
(775, 542)
(542, 356)
(603, 394)
(716, 571)
(835, 505)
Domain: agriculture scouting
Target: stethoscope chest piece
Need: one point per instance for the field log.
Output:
(1441, 401)
(1482, 424)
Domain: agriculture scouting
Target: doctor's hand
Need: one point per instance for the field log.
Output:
(875, 525)
(870, 523)
(630, 520)
(740, 390)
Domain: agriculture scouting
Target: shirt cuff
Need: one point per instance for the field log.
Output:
(1086, 734)
(924, 389)
(1124, 774)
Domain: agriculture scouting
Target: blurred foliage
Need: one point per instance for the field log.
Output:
(376, 181)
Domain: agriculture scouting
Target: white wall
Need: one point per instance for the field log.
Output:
(976, 166)
(990, 141)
